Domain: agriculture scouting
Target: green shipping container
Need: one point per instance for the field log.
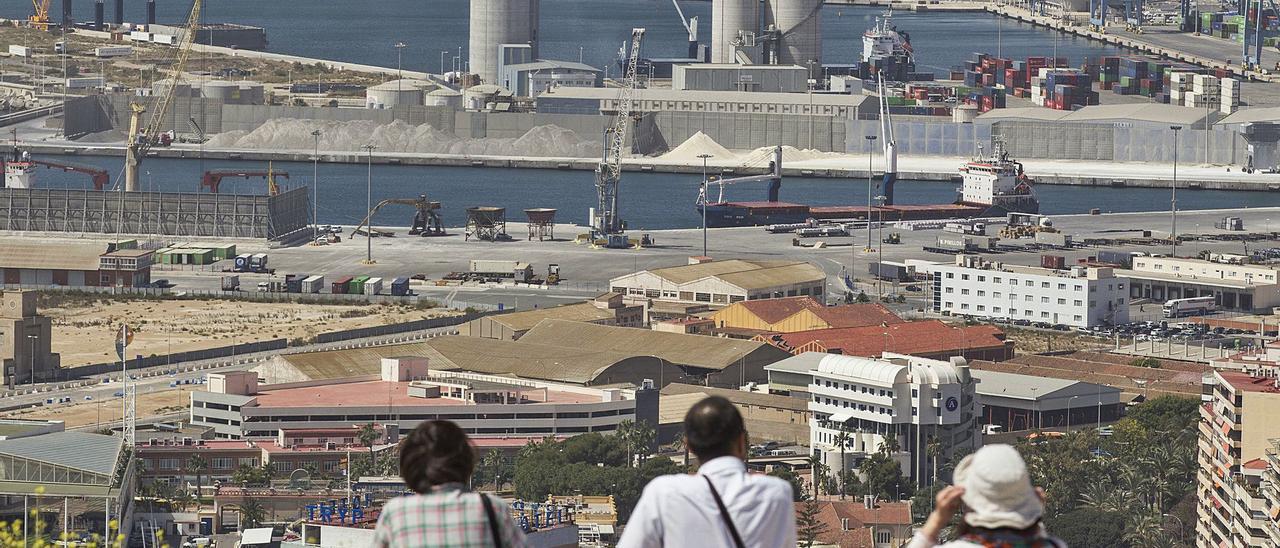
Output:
(357, 285)
(224, 251)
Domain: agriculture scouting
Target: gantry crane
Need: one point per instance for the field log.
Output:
(605, 220)
(40, 19)
(426, 218)
(141, 139)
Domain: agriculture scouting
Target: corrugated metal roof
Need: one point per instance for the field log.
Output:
(653, 94)
(1013, 385)
(804, 363)
(1143, 112)
(1025, 113)
(578, 312)
(94, 453)
(1246, 115)
(541, 64)
(743, 273)
(696, 350)
(68, 256)
(738, 396)
(672, 408)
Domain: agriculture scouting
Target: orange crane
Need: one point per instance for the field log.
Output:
(213, 178)
(40, 19)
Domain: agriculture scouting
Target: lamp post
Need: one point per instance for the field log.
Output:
(443, 53)
(33, 338)
(1069, 412)
(368, 200)
(1173, 195)
(705, 197)
(315, 187)
(399, 50)
(871, 141)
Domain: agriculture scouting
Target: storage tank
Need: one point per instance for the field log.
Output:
(183, 89)
(444, 97)
(799, 24)
(393, 94)
(727, 18)
(497, 22)
(477, 97)
(227, 92)
(252, 93)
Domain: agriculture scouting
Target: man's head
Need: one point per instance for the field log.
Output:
(713, 428)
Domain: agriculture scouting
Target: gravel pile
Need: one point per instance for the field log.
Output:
(398, 136)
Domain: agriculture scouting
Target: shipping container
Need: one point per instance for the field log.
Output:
(313, 284)
(373, 286)
(165, 39)
(231, 283)
(340, 287)
(242, 263)
(357, 285)
(1119, 258)
(1056, 239)
(19, 51)
(889, 271)
(400, 287)
(258, 262)
(293, 282)
(1054, 262)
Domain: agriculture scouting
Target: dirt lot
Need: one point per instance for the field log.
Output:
(106, 411)
(85, 326)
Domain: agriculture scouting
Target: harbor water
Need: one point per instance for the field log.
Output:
(648, 200)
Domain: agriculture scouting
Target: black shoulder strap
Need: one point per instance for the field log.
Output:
(493, 521)
(724, 515)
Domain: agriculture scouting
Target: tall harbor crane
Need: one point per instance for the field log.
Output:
(141, 139)
(605, 219)
(890, 146)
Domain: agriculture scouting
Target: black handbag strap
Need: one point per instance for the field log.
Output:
(493, 521)
(724, 515)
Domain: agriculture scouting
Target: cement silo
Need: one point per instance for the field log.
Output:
(728, 17)
(498, 22)
(798, 24)
(393, 94)
(444, 97)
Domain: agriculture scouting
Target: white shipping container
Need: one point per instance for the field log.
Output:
(19, 51)
(313, 284)
(373, 286)
(166, 39)
(140, 36)
(113, 51)
(84, 82)
(489, 266)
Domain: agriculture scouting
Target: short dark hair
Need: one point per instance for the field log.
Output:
(435, 453)
(711, 427)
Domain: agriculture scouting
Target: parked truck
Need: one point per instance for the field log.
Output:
(501, 269)
(974, 228)
(293, 282)
(889, 271)
(241, 263)
(258, 262)
(231, 283)
(1054, 239)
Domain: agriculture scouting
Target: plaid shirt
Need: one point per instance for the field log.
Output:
(448, 517)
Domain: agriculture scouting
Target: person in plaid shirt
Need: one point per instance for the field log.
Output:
(436, 460)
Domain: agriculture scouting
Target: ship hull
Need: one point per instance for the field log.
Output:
(725, 215)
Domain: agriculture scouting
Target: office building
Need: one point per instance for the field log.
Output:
(1234, 286)
(1077, 297)
(535, 78)
(914, 400)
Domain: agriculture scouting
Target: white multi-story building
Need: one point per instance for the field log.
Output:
(914, 400)
(1234, 285)
(1078, 297)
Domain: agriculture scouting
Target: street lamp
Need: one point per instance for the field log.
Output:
(1069, 412)
(368, 200)
(442, 54)
(399, 49)
(705, 195)
(871, 141)
(33, 338)
(1173, 196)
(315, 187)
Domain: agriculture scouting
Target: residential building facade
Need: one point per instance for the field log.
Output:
(1077, 297)
(1235, 433)
(913, 400)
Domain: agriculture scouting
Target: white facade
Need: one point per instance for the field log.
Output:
(1209, 270)
(1079, 297)
(724, 282)
(912, 398)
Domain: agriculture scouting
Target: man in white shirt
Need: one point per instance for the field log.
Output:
(719, 506)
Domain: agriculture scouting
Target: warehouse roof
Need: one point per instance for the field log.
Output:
(742, 397)
(1247, 115)
(578, 312)
(676, 348)
(1023, 387)
(672, 408)
(95, 453)
(651, 94)
(846, 315)
(60, 256)
(1140, 112)
(543, 64)
(743, 273)
(1025, 113)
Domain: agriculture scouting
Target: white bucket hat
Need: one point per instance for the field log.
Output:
(997, 489)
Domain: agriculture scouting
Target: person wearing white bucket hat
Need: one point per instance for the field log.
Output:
(1002, 509)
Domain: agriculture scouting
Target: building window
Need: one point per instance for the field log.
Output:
(221, 463)
(884, 537)
(1062, 301)
(950, 275)
(1030, 283)
(702, 297)
(1062, 286)
(982, 293)
(982, 278)
(915, 392)
(964, 306)
(982, 308)
(964, 276)
(995, 295)
(950, 289)
(1078, 318)
(1044, 300)
(964, 291)
(1079, 302)
(915, 411)
(995, 280)
(995, 309)
(1044, 314)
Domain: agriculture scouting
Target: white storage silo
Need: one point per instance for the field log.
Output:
(497, 22)
(799, 23)
(728, 17)
(227, 92)
(393, 94)
(444, 97)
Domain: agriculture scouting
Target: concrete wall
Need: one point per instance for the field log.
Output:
(207, 112)
(513, 125)
(1120, 142)
(84, 115)
(919, 137)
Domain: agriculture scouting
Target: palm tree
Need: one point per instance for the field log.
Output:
(818, 475)
(492, 461)
(842, 441)
(889, 445)
(934, 449)
(626, 435)
(367, 435)
(252, 513)
(197, 465)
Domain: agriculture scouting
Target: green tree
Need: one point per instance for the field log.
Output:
(637, 437)
(589, 463)
(883, 477)
(1167, 414)
(1088, 527)
(818, 473)
(808, 526)
(197, 465)
(889, 446)
(494, 467)
(862, 297)
(251, 476)
(787, 475)
(367, 435)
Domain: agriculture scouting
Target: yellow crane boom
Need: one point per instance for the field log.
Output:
(142, 138)
(40, 19)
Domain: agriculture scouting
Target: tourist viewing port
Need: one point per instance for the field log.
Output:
(606, 273)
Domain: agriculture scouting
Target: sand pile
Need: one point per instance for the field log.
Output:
(108, 136)
(398, 136)
(696, 145)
